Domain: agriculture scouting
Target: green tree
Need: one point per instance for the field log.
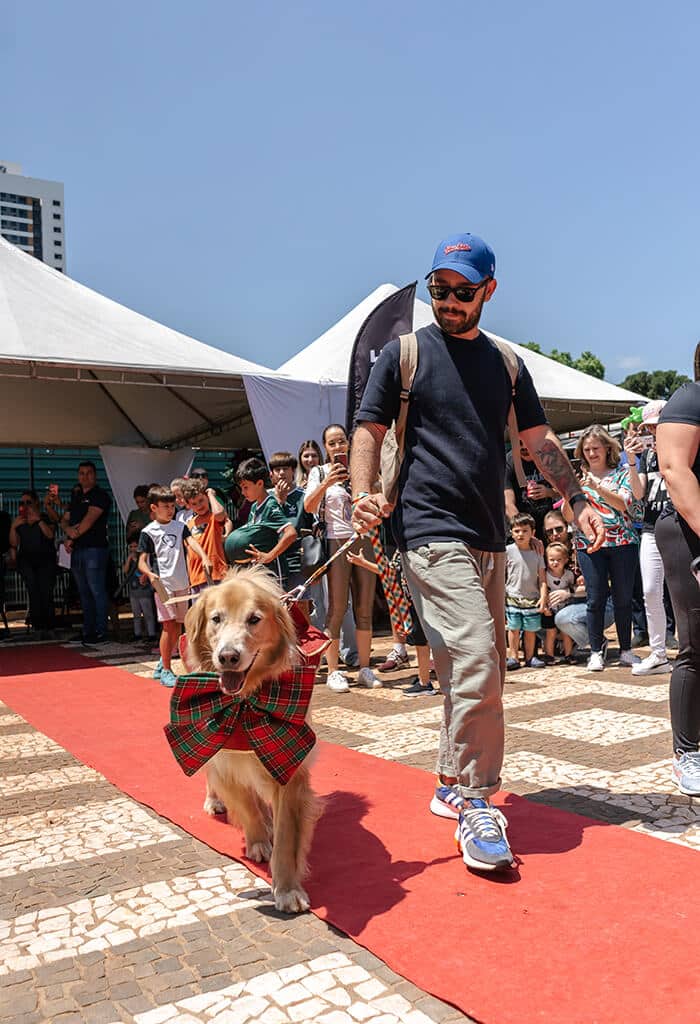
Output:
(589, 363)
(654, 383)
(561, 357)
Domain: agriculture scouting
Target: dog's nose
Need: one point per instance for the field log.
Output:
(229, 657)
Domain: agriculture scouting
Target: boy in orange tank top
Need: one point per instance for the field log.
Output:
(206, 525)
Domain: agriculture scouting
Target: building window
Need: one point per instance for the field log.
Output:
(57, 242)
(57, 216)
(15, 225)
(57, 231)
(11, 211)
(56, 202)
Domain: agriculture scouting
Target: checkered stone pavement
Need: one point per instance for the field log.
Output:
(110, 914)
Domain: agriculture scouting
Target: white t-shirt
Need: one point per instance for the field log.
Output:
(338, 511)
(163, 542)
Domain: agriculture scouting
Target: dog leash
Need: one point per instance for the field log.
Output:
(298, 593)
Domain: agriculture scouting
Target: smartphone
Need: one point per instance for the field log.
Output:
(342, 459)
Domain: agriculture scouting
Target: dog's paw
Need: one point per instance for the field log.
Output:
(259, 851)
(292, 901)
(212, 805)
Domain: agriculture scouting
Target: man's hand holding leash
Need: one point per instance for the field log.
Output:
(368, 510)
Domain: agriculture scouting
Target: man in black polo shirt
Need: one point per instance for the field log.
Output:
(449, 523)
(85, 525)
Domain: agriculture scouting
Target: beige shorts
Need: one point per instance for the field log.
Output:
(172, 612)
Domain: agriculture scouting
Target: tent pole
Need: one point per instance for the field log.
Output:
(202, 435)
(118, 407)
(190, 405)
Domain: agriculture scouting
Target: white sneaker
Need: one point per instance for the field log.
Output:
(596, 662)
(337, 681)
(628, 658)
(366, 677)
(652, 665)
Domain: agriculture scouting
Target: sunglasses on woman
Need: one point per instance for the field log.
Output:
(463, 292)
(556, 529)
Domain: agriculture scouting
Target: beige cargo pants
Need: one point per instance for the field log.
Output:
(459, 594)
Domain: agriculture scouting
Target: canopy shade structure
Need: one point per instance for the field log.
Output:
(571, 399)
(77, 369)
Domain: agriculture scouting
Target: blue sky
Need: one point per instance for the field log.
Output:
(248, 173)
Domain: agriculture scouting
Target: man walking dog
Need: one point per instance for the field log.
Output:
(449, 522)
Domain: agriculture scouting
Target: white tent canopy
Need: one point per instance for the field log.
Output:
(78, 369)
(572, 399)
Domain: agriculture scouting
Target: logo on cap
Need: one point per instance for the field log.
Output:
(460, 247)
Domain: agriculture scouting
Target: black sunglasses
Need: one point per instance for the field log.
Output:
(556, 529)
(463, 292)
(199, 476)
(24, 503)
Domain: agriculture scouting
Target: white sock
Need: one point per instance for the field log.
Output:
(400, 649)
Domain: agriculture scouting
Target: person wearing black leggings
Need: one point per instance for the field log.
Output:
(678, 540)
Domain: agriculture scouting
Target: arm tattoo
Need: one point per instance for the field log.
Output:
(364, 456)
(554, 464)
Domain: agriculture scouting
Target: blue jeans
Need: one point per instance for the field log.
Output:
(572, 619)
(89, 568)
(616, 566)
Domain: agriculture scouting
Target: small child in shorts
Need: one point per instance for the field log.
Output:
(162, 558)
(526, 592)
(559, 578)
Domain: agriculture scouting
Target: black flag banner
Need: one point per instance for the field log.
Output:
(392, 317)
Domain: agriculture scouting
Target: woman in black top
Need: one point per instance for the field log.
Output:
(32, 534)
(656, 500)
(678, 538)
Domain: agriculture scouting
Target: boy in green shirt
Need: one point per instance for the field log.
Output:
(252, 478)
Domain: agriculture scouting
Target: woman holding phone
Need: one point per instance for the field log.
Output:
(328, 486)
(609, 489)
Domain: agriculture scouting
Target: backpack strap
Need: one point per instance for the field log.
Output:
(409, 364)
(513, 367)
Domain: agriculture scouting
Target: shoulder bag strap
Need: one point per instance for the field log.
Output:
(409, 365)
(513, 367)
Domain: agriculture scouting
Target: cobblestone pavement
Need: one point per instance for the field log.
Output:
(109, 913)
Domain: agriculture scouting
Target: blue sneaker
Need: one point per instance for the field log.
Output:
(481, 837)
(158, 669)
(686, 772)
(167, 678)
(446, 802)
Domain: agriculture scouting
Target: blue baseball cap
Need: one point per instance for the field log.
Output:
(468, 254)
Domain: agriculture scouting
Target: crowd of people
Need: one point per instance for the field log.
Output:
(503, 561)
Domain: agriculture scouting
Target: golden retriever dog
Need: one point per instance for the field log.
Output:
(242, 631)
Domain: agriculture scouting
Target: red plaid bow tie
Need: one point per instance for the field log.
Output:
(271, 723)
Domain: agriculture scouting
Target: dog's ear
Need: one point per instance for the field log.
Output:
(287, 630)
(192, 647)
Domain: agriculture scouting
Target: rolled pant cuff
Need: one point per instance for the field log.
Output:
(469, 792)
(478, 793)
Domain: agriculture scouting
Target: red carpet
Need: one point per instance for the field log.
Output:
(596, 926)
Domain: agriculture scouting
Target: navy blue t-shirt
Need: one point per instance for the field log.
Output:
(451, 485)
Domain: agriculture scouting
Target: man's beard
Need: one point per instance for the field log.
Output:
(458, 322)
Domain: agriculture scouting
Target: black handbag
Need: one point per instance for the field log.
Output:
(314, 543)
